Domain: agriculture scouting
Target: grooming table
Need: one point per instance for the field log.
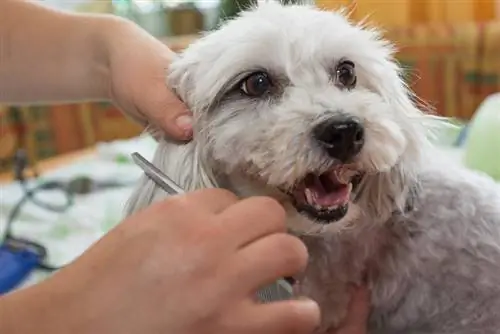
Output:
(66, 235)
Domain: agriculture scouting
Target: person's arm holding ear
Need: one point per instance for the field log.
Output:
(48, 55)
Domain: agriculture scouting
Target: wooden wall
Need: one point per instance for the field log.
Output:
(407, 12)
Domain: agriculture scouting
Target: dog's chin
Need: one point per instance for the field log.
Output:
(302, 224)
(324, 198)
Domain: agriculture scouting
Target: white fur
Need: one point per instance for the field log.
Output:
(425, 234)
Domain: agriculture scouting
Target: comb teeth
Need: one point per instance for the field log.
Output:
(279, 290)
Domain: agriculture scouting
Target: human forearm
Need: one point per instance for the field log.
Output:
(30, 310)
(48, 55)
(53, 56)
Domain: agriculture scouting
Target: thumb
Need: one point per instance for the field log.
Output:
(176, 119)
(167, 113)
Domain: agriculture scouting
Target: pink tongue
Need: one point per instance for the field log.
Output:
(337, 197)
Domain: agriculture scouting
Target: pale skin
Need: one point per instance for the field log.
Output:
(193, 272)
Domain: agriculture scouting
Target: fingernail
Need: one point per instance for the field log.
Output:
(309, 305)
(308, 301)
(184, 122)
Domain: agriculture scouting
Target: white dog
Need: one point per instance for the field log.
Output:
(299, 104)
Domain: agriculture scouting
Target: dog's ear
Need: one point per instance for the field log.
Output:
(181, 76)
(183, 163)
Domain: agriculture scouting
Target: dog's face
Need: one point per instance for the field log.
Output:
(300, 104)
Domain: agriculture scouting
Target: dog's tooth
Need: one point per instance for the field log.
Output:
(348, 197)
(345, 177)
(309, 196)
(339, 174)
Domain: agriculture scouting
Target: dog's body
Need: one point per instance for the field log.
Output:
(317, 116)
(434, 270)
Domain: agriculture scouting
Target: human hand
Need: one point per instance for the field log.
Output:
(357, 314)
(190, 264)
(137, 63)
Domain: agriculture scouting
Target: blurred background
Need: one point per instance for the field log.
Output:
(449, 50)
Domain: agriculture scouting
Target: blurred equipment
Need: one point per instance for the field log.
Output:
(19, 257)
(91, 6)
(230, 8)
(185, 19)
(150, 15)
(482, 147)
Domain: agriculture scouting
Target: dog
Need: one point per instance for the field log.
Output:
(302, 105)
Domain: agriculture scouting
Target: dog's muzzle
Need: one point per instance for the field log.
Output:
(342, 137)
(325, 197)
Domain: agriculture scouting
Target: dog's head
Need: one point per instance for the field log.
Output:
(302, 105)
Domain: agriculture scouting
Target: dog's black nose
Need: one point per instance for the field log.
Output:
(341, 137)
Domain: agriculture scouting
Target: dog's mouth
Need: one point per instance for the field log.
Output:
(325, 197)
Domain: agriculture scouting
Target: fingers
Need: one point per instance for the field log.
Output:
(359, 307)
(238, 221)
(287, 317)
(158, 101)
(207, 201)
(358, 313)
(252, 219)
(177, 120)
(277, 255)
(168, 112)
(139, 88)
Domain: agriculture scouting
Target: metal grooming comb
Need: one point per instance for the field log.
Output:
(279, 290)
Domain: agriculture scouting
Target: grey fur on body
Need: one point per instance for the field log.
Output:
(423, 232)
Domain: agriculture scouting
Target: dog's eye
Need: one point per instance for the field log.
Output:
(346, 74)
(255, 85)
